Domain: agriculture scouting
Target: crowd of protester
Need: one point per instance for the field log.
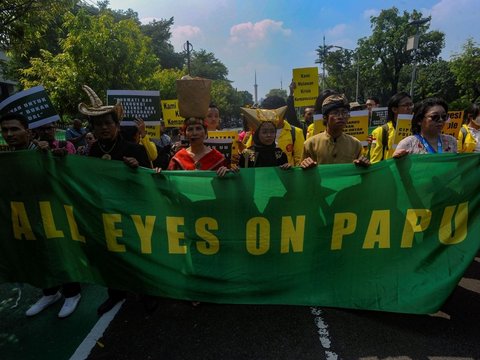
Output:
(272, 136)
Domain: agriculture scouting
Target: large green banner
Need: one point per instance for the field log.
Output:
(396, 237)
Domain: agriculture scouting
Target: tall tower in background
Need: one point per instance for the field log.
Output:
(255, 86)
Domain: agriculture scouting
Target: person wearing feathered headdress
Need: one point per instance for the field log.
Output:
(105, 121)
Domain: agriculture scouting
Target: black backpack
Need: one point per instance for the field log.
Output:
(384, 139)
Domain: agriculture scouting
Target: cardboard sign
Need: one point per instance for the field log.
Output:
(223, 141)
(224, 146)
(153, 131)
(34, 104)
(403, 128)
(171, 113)
(453, 124)
(137, 103)
(318, 126)
(357, 126)
(306, 90)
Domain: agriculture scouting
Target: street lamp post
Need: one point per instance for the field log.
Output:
(322, 60)
(188, 47)
(358, 68)
(412, 44)
(325, 49)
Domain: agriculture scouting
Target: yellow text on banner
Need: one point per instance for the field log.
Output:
(171, 114)
(306, 90)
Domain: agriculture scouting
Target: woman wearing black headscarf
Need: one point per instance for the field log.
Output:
(264, 152)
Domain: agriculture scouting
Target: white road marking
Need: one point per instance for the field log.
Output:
(96, 333)
(323, 333)
(470, 284)
(440, 314)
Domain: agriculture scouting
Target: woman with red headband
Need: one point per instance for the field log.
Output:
(198, 156)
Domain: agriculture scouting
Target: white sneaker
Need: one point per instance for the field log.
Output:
(69, 306)
(43, 303)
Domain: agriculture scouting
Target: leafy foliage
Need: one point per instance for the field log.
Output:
(66, 43)
(206, 65)
(159, 32)
(277, 92)
(97, 51)
(165, 81)
(466, 67)
(436, 80)
(24, 23)
(381, 57)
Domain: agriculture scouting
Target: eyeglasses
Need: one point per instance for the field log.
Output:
(89, 138)
(409, 105)
(437, 117)
(339, 113)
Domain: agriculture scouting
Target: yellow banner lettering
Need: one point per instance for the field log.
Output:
(210, 245)
(343, 224)
(258, 236)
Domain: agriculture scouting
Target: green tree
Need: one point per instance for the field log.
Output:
(466, 67)
(277, 92)
(341, 65)
(227, 99)
(165, 81)
(159, 32)
(206, 65)
(436, 80)
(246, 98)
(97, 51)
(25, 22)
(27, 27)
(384, 54)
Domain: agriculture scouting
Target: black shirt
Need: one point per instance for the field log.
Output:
(119, 148)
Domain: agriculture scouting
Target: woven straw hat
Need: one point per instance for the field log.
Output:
(97, 108)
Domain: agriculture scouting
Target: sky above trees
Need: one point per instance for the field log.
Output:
(272, 37)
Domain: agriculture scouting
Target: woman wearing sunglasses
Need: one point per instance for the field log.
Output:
(429, 117)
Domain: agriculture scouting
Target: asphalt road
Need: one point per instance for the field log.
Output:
(178, 330)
